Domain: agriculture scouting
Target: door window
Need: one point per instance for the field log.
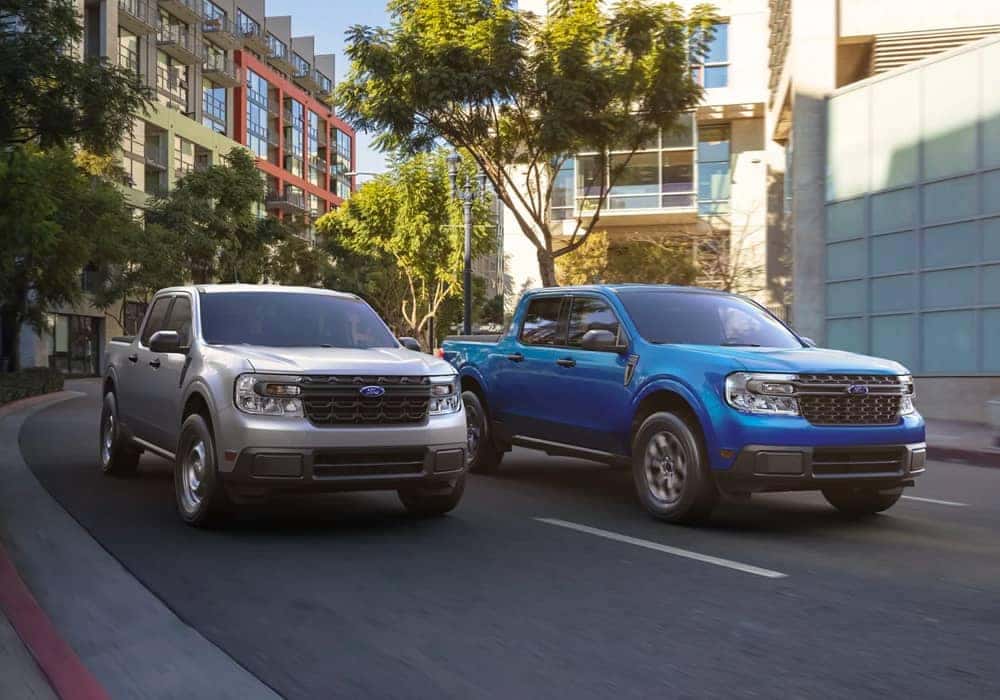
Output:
(157, 316)
(590, 314)
(541, 322)
(180, 320)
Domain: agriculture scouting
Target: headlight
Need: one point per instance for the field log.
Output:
(769, 394)
(268, 395)
(906, 406)
(445, 397)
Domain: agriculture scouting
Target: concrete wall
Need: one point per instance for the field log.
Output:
(866, 17)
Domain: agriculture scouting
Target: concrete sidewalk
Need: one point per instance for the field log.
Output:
(959, 441)
(20, 676)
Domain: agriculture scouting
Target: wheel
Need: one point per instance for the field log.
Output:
(671, 473)
(430, 501)
(483, 456)
(201, 499)
(862, 501)
(118, 456)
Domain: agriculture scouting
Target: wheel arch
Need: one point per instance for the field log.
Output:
(197, 401)
(675, 398)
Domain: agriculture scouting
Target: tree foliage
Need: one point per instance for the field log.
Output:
(52, 97)
(55, 220)
(410, 216)
(520, 92)
(656, 261)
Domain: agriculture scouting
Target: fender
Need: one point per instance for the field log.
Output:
(198, 386)
(473, 372)
(677, 386)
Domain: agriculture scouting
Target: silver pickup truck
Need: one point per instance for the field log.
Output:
(251, 390)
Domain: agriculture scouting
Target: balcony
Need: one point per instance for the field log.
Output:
(170, 83)
(306, 78)
(179, 43)
(221, 32)
(325, 89)
(288, 202)
(184, 10)
(222, 71)
(155, 160)
(137, 16)
(251, 33)
(128, 58)
(277, 55)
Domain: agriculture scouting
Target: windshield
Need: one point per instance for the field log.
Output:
(289, 319)
(694, 318)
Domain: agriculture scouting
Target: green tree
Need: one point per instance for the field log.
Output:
(214, 214)
(519, 92)
(55, 220)
(657, 261)
(409, 215)
(296, 261)
(52, 97)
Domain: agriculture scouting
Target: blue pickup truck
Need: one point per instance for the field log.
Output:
(703, 394)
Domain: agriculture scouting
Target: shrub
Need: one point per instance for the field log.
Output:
(29, 382)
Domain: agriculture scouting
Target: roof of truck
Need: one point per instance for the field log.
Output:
(275, 288)
(629, 286)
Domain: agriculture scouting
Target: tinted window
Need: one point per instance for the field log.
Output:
(180, 320)
(288, 319)
(156, 317)
(704, 319)
(590, 314)
(541, 322)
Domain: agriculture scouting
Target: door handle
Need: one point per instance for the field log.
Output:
(155, 364)
(566, 362)
(515, 357)
(133, 358)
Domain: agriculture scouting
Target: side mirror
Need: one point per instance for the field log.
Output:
(808, 341)
(601, 341)
(166, 341)
(411, 344)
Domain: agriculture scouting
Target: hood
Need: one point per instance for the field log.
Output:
(801, 360)
(389, 361)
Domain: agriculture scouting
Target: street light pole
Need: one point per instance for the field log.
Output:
(467, 195)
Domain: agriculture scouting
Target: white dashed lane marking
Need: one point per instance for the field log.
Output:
(937, 501)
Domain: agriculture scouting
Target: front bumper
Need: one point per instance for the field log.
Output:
(759, 468)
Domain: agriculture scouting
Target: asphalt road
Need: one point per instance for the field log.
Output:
(347, 596)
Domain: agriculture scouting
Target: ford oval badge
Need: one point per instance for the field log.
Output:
(858, 389)
(372, 392)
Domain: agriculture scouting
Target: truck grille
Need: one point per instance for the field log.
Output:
(858, 461)
(330, 465)
(824, 399)
(336, 400)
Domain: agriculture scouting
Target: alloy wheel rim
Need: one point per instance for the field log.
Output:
(107, 439)
(665, 467)
(473, 432)
(193, 476)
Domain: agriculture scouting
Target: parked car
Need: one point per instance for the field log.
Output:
(702, 393)
(252, 390)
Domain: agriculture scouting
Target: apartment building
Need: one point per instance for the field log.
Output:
(888, 121)
(223, 75)
(707, 182)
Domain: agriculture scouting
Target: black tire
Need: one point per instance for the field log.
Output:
(429, 501)
(671, 472)
(862, 501)
(201, 498)
(483, 455)
(116, 454)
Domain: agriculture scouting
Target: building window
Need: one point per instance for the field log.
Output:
(294, 137)
(246, 25)
(183, 156)
(74, 344)
(128, 50)
(300, 64)
(660, 174)
(316, 160)
(340, 165)
(276, 46)
(713, 169)
(257, 114)
(212, 11)
(562, 191)
(712, 69)
(171, 81)
(213, 106)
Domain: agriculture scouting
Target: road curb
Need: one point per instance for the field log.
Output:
(976, 458)
(123, 635)
(67, 675)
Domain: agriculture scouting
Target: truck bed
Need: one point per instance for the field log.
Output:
(473, 338)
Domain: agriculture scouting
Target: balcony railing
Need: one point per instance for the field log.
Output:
(170, 82)
(221, 31)
(185, 10)
(178, 42)
(251, 32)
(286, 201)
(137, 16)
(221, 70)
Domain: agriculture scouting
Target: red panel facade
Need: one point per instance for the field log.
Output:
(274, 166)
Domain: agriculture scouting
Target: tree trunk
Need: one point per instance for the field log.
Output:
(547, 268)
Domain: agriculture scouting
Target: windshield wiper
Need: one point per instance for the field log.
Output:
(741, 345)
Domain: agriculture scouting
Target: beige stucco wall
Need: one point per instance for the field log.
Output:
(866, 17)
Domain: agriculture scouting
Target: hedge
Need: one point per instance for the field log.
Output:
(29, 382)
